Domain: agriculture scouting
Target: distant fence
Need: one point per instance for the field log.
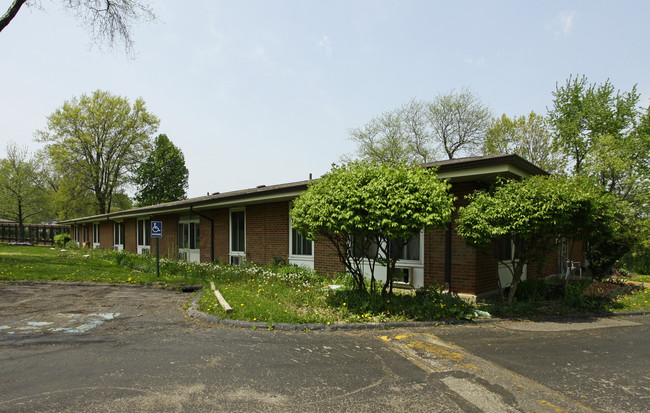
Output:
(32, 233)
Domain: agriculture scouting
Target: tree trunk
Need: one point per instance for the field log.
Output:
(10, 13)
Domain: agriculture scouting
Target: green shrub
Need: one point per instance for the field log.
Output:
(638, 262)
(62, 240)
(540, 290)
(576, 298)
(426, 304)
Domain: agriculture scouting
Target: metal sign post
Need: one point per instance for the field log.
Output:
(156, 232)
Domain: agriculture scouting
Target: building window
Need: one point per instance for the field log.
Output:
(299, 244)
(504, 250)
(96, 234)
(238, 231)
(188, 235)
(364, 247)
(118, 234)
(410, 251)
(144, 226)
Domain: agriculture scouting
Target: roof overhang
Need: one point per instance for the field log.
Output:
(480, 169)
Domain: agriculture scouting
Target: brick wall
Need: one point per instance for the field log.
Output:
(130, 234)
(434, 257)
(106, 234)
(267, 232)
(220, 236)
(472, 272)
(326, 260)
(168, 244)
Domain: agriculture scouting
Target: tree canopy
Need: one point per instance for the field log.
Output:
(163, 176)
(450, 125)
(396, 136)
(605, 134)
(106, 20)
(22, 195)
(527, 136)
(98, 141)
(583, 112)
(361, 207)
(533, 214)
(459, 122)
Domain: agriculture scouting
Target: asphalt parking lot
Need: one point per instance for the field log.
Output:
(101, 348)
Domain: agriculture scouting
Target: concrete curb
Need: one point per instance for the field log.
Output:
(193, 312)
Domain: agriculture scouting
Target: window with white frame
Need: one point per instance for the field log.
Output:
(188, 235)
(118, 235)
(189, 239)
(143, 235)
(143, 232)
(409, 251)
(237, 235)
(95, 235)
(300, 245)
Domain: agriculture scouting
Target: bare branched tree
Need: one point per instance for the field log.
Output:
(106, 20)
(459, 122)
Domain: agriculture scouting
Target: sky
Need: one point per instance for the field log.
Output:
(265, 92)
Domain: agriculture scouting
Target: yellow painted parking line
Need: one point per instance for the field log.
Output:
(491, 385)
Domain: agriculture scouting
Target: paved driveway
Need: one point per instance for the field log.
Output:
(75, 348)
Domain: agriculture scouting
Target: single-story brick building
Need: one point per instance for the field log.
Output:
(254, 225)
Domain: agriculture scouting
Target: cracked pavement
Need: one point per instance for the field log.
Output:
(143, 354)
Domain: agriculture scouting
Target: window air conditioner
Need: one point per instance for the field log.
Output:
(236, 260)
(182, 256)
(145, 250)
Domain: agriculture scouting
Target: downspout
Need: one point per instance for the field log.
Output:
(211, 231)
(448, 256)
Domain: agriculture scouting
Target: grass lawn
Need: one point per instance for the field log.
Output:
(48, 264)
(289, 294)
(273, 294)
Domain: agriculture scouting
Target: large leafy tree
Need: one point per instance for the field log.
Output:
(22, 195)
(582, 113)
(105, 19)
(527, 136)
(163, 176)
(97, 141)
(533, 213)
(68, 198)
(605, 134)
(363, 208)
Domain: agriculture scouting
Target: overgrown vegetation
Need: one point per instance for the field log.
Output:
(369, 212)
(290, 294)
(61, 240)
(558, 297)
(274, 294)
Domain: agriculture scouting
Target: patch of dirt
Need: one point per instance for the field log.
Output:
(609, 289)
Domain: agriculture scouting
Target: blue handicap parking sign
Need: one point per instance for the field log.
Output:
(156, 229)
